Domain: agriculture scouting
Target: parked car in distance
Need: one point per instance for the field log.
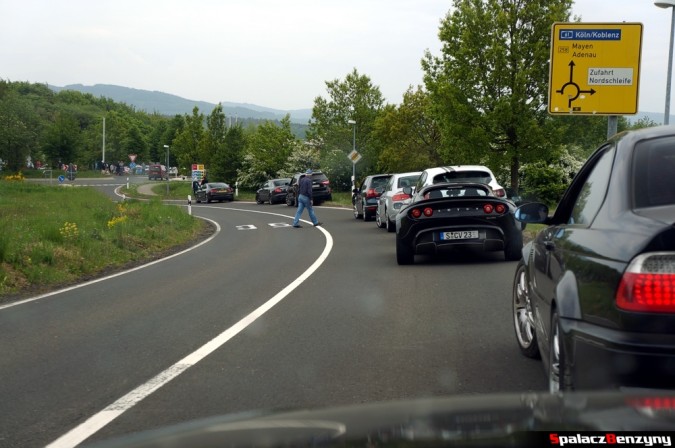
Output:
(392, 199)
(273, 191)
(364, 198)
(320, 189)
(594, 294)
(445, 216)
(214, 191)
(157, 172)
(461, 173)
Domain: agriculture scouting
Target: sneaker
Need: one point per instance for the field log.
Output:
(297, 226)
(318, 224)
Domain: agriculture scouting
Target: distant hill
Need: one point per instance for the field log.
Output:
(167, 104)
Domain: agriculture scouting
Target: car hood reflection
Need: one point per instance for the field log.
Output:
(486, 420)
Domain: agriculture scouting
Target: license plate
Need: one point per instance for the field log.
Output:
(461, 235)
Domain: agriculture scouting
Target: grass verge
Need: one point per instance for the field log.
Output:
(55, 236)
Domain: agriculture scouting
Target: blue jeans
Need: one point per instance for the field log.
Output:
(304, 203)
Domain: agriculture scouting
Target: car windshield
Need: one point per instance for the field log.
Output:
(654, 173)
(135, 295)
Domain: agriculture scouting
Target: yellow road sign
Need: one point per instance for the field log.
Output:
(595, 68)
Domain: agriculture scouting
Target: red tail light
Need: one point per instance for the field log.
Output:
(416, 213)
(371, 193)
(500, 208)
(488, 208)
(400, 197)
(648, 285)
(500, 193)
(277, 190)
(428, 211)
(325, 182)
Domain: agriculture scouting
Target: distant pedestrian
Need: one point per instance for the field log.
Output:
(305, 200)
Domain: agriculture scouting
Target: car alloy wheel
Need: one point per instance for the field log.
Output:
(357, 215)
(378, 219)
(559, 378)
(523, 318)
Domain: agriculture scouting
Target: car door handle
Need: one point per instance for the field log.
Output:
(549, 245)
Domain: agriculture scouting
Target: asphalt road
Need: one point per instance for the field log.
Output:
(357, 328)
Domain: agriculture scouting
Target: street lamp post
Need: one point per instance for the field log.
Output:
(353, 123)
(668, 4)
(167, 170)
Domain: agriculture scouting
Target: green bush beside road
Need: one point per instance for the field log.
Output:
(53, 236)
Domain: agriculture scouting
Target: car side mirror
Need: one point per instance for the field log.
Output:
(534, 212)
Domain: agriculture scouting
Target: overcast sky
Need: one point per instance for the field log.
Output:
(271, 53)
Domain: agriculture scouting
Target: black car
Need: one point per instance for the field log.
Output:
(320, 189)
(445, 216)
(273, 191)
(364, 199)
(214, 191)
(594, 295)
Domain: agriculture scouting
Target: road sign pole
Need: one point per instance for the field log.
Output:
(612, 125)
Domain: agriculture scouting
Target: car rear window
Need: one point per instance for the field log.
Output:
(218, 185)
(319, 177)
(471, 176)
(654, 173)
(380, 181)
(407, 181)
(280, 182)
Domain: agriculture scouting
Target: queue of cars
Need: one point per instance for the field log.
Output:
(593, 294)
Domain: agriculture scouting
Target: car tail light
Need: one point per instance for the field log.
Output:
(371, 193)
(277, 190)
(654, 403)
(500, 193)
(400, 197)
(488, 208)
(500, 208)
(416, 213)
(648, 285)
(325, 182)
(428, 211)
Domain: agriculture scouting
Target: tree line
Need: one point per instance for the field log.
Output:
(483, 101)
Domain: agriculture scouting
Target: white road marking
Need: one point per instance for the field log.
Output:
(279, 225)
(94, 423)
(247, 227)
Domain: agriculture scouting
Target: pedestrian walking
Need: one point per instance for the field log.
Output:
(305, 200)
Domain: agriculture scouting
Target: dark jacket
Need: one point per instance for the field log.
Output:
(305, 186)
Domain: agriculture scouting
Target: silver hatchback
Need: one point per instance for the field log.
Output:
(392, 199)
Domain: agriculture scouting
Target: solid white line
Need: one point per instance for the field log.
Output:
(96, 422)
(91, 282)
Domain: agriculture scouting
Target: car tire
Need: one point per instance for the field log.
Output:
(523, 317)
(258, 201)
(378, 219)
(559, 378)
(514, 249)
(289, 201)
(357, 215)
(390, 225)
(404, 255)
(208, 199)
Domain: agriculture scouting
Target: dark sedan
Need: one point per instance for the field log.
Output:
(214, 191)
(445, 216)
(594, 295)
(365, 198)
(273, 191)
